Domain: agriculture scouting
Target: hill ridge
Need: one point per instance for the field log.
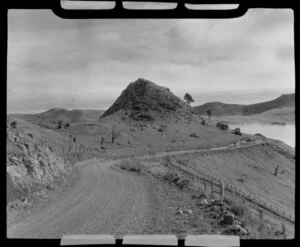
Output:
(220, 108)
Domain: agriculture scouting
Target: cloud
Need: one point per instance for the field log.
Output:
(285, 53)
(271, 19)
(55, 61)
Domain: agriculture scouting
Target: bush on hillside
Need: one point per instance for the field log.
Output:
(238, 209)
(222, 126)
(194, 135)
(237, 131)
(59, 124)
(13, 124)
(130, 165)
(140, 116)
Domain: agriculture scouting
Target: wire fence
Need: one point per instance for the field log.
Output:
(68, 148)
(232, 192)
(199, 178)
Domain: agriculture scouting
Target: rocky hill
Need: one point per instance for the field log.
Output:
(222, 109)
(143, 99)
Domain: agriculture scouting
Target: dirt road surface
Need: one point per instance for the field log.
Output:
(103, 201)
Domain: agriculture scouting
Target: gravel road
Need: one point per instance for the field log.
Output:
(103, 201)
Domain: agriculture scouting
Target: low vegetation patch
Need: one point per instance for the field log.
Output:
(130, 165)
(140, 116)
(237, 131)
(13, 124)
(194, 135)
(222, 126)
(256, 227)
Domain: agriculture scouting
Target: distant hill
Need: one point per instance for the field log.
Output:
(56, 114)
(222, 109)
(145, 97)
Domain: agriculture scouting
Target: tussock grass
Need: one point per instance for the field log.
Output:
(237, 207)
(130, 165)
(259, 228)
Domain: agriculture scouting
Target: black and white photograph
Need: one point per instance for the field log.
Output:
(150, 126)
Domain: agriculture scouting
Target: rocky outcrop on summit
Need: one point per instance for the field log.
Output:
(145, 96)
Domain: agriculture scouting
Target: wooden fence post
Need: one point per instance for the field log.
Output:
(261, 214)
(283, 231)
(212, 187)
(222, 190)
(204, 185)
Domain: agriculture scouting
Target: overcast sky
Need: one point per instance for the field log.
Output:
(85, 64)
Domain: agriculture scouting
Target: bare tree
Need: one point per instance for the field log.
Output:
(102, 142)
(115, 132)
(208, 113)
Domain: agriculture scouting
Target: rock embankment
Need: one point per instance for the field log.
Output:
(30, 163)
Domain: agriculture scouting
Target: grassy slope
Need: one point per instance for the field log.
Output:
(256, 166)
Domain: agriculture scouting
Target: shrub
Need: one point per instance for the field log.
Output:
(222, 126)
(59, 124)
(13, 124)
(194, 135)
(168, 106)
(137, 116)
(130, 165)
(136, 107)
(238, 209)
(237, 131)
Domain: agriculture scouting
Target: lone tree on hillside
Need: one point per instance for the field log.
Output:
(59, 124)
(101, 140)
(208, 113)
(188, 98)
(115, 132)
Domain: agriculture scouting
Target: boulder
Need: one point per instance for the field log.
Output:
(228, 218)
(203, 202)
(180, 211)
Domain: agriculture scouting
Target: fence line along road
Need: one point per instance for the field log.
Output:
(192, 173)
(229, 188)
